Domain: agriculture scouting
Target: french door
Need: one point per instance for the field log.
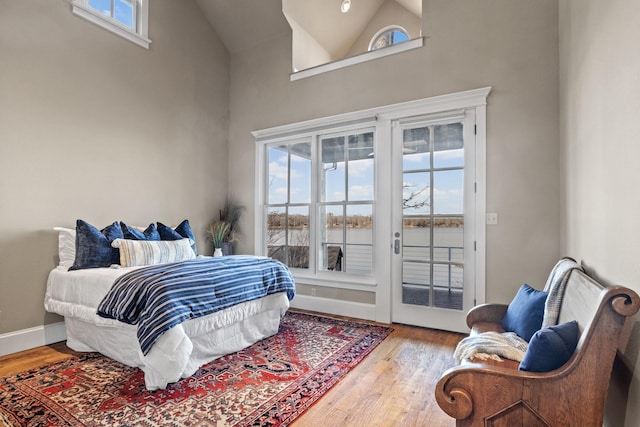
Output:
(434, 220)
(380, 210)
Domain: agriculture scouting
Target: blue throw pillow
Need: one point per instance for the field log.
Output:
(524, 314)
(93, 246)
(551, 347)
(131, 233)
(182, 231)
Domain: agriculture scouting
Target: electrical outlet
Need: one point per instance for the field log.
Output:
(492, 219)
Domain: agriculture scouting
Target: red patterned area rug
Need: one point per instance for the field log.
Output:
(268, 384)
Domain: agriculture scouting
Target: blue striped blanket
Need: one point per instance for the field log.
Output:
(159, 297)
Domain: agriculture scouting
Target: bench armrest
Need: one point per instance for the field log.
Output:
(486, 313)
(473, 391)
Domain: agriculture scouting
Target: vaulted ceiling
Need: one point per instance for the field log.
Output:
(241, 24)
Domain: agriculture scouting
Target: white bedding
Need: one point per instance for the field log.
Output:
(180, 351)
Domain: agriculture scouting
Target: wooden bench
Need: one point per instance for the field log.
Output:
(498, 394)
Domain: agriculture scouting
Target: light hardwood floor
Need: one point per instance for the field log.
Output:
(392, 387)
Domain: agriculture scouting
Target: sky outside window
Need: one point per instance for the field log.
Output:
(122, 10)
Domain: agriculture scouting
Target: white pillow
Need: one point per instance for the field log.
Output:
(66, 246)
(149, 252)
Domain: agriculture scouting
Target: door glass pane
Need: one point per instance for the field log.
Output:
(416, 254)
(433, 216)
(448, 146)
(416, 238)
(448, 192)
(448, 259)
(416, 193)
(416, 150)
(333, 182)
(415, 283)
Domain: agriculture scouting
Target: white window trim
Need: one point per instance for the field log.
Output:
(341, 124)
(382, 117)
(139, 37)
(358, 59)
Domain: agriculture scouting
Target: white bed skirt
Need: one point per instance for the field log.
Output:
(183, 349)
(180, 351)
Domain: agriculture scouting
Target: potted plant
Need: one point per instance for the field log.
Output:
(218, 231)
(230, 214)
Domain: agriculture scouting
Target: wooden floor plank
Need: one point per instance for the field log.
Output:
(393, 386)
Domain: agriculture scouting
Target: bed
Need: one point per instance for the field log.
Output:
(178, 350)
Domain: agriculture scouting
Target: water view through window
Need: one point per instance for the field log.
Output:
(343, 200)
(433, 216)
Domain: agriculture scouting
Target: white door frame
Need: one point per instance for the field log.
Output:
(473, 99)
(424, 315)
(381, 118)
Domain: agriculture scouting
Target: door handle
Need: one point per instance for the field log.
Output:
(396, 246)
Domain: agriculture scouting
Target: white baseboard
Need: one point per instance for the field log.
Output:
(332, 306)
(26, 339)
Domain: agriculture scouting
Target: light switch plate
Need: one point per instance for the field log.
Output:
(492, 219)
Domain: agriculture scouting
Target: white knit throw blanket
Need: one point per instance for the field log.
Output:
(494, 345)
(491, 345)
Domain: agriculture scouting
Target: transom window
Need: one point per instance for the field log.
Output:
(387, 37)
(127, 18)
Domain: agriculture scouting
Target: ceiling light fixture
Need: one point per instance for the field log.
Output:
(345, 6)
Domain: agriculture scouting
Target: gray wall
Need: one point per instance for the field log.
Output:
(95, 127)
(511, 45)
(600, 106)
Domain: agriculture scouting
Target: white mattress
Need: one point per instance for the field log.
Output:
(78, 293)
(180, 351)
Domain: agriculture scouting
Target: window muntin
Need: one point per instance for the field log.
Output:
(321, 190)
(388, 36)
(127, 18)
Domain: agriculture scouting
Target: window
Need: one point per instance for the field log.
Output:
(127, 18)
(318, 48)
(319, 201)
(388, 37)
(341, 198)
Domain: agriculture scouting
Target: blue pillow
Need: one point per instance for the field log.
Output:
(131, 233)
(524, 314)
(93, 246)
(551, 347)
(182, 231)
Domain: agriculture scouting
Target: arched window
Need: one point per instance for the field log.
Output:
(388, 36)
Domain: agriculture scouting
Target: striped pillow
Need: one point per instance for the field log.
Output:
(135, 253)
